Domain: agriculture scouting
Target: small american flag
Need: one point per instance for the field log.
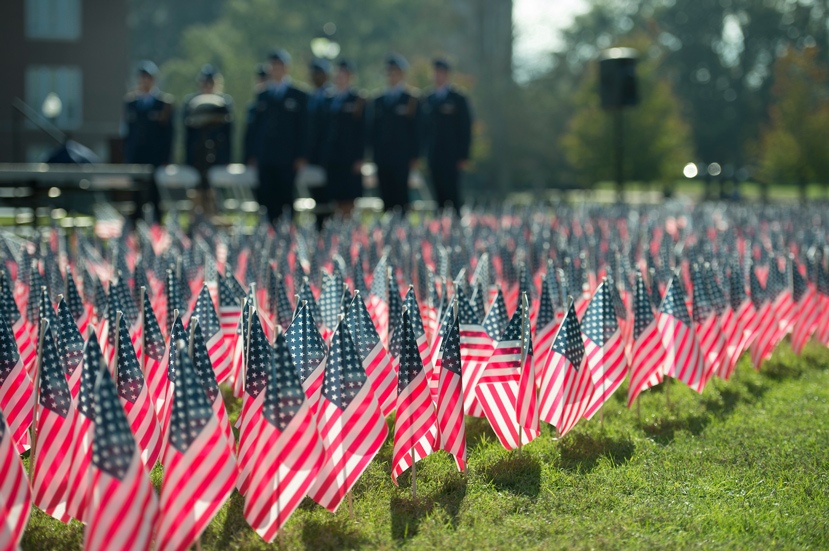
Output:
(55, 426)
(207, 376)
(280, 304)
(16, 390)
(476, 349)
(199, 469)
(135, 397)
(154, 358)
(259, 356)
(70, 347)
(170, 369)
(526, 404)
(15, 495)
(546, 324)
(122, 503)
(807, 306)
(683, 359)
(18, 324)
(737, 322)
(707, 324)
(80, 312)
(351, 425)
(766, 322)
(423, 344)
(375, 358)
(604, 347)
(289, 452)
(647, 354)
(496, 319)
(221, 356)
(415, 428)
(330, 298)
(174, 300)
(308, 353)
(378, 300)
(450, 407)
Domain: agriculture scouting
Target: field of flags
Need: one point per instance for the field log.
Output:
(115, 350)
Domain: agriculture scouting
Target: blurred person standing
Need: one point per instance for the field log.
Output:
(280, 127)
(344, 146)
(208, 119)
(148, 129)
(394, 134)
(447, 136)
(259, 84)
(318, 102)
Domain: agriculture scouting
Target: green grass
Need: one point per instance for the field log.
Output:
(744, 466)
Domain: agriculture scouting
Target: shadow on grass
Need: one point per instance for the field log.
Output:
(407, 513)
(331, 533)
(516, 473)
(581, 452)
(234, 522)
(663, 431)
(478, 429)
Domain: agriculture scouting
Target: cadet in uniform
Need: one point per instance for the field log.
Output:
(148, 117)
(259, 85)
(394, 134)
(208, 116)
(318, 123)
(448, 132)
(280, 128)
(344, 146)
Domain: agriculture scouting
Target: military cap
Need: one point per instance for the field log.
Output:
(208, 72)
(320, 64)
(278, 54)
(397, 60)
(441, 63)
(147, 68)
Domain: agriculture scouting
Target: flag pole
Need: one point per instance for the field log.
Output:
(340, 318)
(43, 324)
(524, 321)
(245, 352)
(193, 321)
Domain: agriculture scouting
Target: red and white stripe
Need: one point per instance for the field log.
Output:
(683, 357)
(806, 320)
(54, 450)
(476, 350)
(15, 495)
(646, 361)
(16, 403)
(712, 344)
(738, 329)
(608, 368)
(415, 428)
(451, 425)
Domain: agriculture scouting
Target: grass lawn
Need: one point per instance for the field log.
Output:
(744, 466)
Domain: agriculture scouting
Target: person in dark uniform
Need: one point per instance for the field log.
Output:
(259, 85)
(318, 102)
(208, 119)
(394, 134)
(344, 146)
(280, 128)
(148, 118)
(448, 134)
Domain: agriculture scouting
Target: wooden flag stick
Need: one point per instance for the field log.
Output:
(43, 324)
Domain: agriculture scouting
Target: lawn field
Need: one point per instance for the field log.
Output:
(743, 466)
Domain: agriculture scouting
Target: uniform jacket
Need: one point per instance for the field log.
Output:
(149, 136)
(207, 132)
(345, 140)
(394, 129)
(280, 127)
(447, 128)
(318, 123)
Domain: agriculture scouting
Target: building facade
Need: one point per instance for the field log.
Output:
(68, 62)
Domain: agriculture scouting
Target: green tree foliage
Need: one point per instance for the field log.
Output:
(657, 137)
(794, 148)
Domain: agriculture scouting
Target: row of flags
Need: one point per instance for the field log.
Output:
(515, 318)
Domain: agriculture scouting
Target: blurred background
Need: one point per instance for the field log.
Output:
(730, 91)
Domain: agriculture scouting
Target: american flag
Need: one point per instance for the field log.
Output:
(415, 427)
(122, 503)
(822, 329)
(135, 397)
(496, 319)
(199, 468)
(422, 342)
(16, 389)
(289, 452)
(47, 310)
(378, 300)
(807, 306)
(450, 408)
(108, 330)
(70, 347)
(647, 357)
(259, 356)
(330, 298)
(280, 304)
(80, 312)
(18, 325)
(229, 309)
(375, 359)
(80, 473)
(766, 323)
(526, 405)
(498, 390)
(170, 370)
(15, 495)
(221, 355)
(683, 358)
(351, 425)
(55, 421)
(546, 324)
(738, 322)
(604, 347)
(308, 353)
(154, 358)
(707, 324)
(240, 350)
(204, 369)
(175, 300)
(566, 387)
(476, 349)
(306, 294)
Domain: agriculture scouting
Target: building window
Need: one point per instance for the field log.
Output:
(65, 83)
(53, 19)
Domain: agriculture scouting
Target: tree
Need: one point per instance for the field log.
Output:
(657, 137)
(794, 148)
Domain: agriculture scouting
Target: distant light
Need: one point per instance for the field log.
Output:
(171, 169)
(236, 168)
(323, 47)
(54, 192)
(368, 169)
(329, 28)
(84, 184)
(57, 214)
(714, 169)
(52, 106)
(306, 204)
(690, 170)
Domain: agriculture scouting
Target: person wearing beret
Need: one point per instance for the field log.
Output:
(208, 120)
(280, 127)
(394, 134)
(148, 125)
(447, 136)
(344, 146)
